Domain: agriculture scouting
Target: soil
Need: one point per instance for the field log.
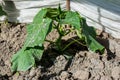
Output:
(83, 64)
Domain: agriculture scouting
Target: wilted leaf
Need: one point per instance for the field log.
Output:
(22, 60)
(90, 37)
(37, 33)
(32, 49)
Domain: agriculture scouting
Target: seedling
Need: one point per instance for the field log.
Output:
(44, 22)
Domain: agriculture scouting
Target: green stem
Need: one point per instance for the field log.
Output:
(78, 42)
(72, 43)
(68, 45)
(58, 42)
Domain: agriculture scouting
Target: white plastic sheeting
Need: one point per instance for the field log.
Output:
(23, 11)
(102, 14)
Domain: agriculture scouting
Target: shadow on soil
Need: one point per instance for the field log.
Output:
(105, 43)
(4, 77)
(50, 55)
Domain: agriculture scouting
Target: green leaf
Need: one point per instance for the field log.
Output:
(90, 37)
(72, 18)
(93, 45)
(37, 33)
(55, 13)
(25, 59)
(39, 16)
(52, 13)
(2, 12)
(33, 46)
(83, 30)
(22, 60)
(37, 52)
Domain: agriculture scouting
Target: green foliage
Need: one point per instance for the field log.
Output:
(73, 19)
(90, 36)
(44, 21)
(33, 46)
(2, 12)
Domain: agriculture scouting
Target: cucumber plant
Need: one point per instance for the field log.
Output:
(43, 23)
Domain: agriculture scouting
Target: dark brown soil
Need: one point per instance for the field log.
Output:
(83, 65)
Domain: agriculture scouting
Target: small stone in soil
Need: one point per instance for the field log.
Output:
(64, 75)
(32, 72)
(116, 73)
(83, 75)
(106, 78)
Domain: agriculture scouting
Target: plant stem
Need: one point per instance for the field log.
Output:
(58, 43)
(68, 45)
(78, 42)
(72, 43)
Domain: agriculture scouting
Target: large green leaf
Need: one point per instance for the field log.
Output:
(37, 33)
(72, 18)
(90, 37)
(25, 59)
(32, 49)
(39, 17)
